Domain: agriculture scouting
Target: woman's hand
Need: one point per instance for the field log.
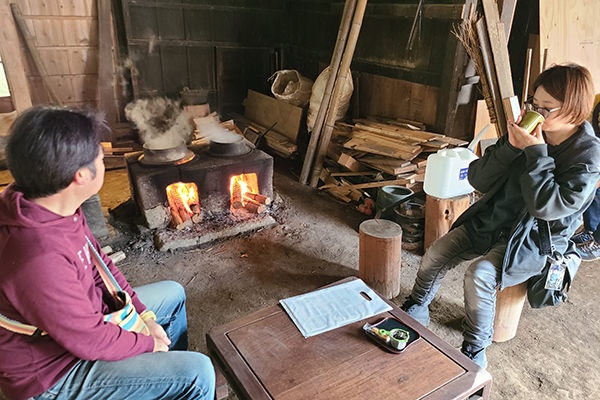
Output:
(519, 138)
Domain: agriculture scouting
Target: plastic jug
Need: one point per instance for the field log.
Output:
(446, 173)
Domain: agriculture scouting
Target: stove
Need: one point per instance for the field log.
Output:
(211, 173)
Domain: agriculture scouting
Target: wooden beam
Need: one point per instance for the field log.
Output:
(33, 51)
(12, 59)
(106, 77)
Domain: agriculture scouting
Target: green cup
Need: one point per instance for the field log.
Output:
(530, 120)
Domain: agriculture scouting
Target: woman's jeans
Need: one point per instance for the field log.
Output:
(591, 217)
(176, 374)
(480, 283)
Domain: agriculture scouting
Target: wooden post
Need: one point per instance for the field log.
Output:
(380, 256)
(334, 66)
(509, 305)
(340, 82)
(440, 214)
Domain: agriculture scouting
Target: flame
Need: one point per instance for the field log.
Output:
(185, 194)
(241, 184)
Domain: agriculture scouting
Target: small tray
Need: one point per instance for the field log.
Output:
(387, 324)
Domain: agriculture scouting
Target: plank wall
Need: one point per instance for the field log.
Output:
(65, 33)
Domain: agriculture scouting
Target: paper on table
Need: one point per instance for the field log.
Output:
(332, 307)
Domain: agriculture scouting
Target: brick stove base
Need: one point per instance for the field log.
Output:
(212, 175)
(199, 234)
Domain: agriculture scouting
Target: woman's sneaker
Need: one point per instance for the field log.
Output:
(589, 251)
(582, 237)
(420, 313)
(477, 354)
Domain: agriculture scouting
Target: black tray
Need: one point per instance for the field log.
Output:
(388, 324)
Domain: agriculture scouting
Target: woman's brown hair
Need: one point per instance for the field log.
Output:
(572, 85)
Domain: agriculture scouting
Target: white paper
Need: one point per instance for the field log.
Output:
(332, 307)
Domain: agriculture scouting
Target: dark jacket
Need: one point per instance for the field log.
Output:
(551, 183)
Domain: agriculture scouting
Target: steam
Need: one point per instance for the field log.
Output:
(160, 121)
(210, 129)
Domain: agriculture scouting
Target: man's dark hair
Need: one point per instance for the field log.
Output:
(47, 145)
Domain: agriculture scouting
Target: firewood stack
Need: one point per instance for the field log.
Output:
(253, 203)
(181, 217)
(376, 152)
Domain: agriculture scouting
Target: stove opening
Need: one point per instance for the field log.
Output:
(245, 196)
(184, 204)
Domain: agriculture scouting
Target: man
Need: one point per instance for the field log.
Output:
(48, 280)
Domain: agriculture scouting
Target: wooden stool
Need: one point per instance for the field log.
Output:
(440, 214)
(509, 304)
(380, 254)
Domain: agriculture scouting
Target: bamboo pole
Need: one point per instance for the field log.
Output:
(344, 73)
(333, 72)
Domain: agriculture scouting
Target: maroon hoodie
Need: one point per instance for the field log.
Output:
(48, 279)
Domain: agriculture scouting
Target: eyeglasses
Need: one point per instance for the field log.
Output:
(545, 112)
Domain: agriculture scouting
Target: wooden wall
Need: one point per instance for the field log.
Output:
(65, 34)
(570, 32)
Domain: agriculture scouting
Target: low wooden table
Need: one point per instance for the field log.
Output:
(264, 356)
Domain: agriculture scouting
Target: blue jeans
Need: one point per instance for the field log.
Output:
(177, 374)
(591, 217)
(482, 278)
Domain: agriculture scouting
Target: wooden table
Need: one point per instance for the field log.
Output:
(264, 356)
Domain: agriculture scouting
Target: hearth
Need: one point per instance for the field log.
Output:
(222, 215)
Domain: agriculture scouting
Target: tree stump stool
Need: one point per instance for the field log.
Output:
(509, 305)
(380, 256)
(440, 214)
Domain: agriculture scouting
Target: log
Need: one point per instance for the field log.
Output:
(440, 214)
(509, 305)
(236, 195)
(262, 199)
(255, 208)
(380, 256)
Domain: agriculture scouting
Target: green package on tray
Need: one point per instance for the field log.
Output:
(391, 334)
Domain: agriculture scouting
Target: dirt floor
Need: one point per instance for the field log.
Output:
(316, 242)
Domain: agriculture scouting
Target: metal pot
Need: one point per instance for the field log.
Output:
(178, 154)
(231, 145)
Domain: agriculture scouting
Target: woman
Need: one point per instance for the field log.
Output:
(548, 175)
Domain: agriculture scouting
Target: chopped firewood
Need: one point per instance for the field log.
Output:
(405, 123)
(340, 193)
(434, 145)
(349, 162)
(453, 141)
(255, 208)
(402, 143)
(396, 130)
(261, 199)
(359, 173)
(197, 218)
(236, 195)
(402, 181)
(116, 257)
(381, 149)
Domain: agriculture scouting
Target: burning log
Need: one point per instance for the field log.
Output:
(180, 218)
(259, 198)
(236, 195)
(254, 206)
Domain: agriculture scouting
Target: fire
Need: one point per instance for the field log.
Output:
(184, 203)
(242, 184)
(244, 194)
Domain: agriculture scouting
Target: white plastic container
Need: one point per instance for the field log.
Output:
(446, 173)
